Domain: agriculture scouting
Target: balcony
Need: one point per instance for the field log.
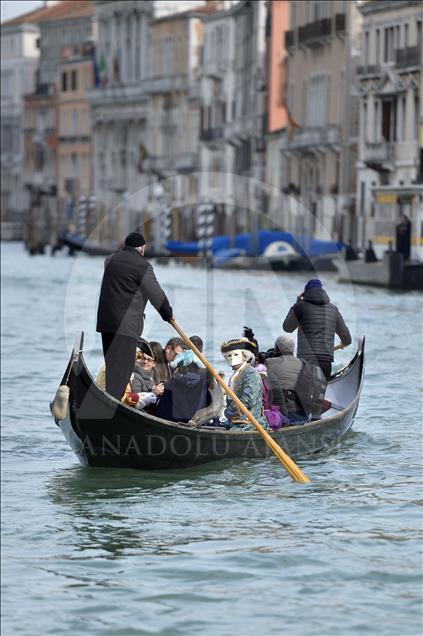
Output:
(340, 23)
(167, 83)
(405, 58)
(368, 69)
(211, 134)
(289, 39)
(313, 34)
(184, 162)
(379, 155)
(315, 137)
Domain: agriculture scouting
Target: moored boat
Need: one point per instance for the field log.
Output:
(105, 432)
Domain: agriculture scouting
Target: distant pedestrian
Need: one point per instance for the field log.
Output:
(370, 255)
(403, 237)
(317, 320)
(128, 284)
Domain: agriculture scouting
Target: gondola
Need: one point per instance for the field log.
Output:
(104, 432)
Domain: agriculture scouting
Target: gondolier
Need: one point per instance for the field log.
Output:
(128, 283)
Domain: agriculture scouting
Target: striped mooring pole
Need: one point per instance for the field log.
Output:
(205, 230)
(81, 224)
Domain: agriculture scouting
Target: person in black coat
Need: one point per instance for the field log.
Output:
(317, 320)
(128, 284)
(370, 255)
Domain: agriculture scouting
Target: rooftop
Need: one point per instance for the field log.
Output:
(65, 10)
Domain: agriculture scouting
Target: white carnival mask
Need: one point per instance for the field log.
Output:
(235, 358)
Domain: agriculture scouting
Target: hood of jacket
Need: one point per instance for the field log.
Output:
(316, 296)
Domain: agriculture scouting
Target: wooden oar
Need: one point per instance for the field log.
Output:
(292, 468)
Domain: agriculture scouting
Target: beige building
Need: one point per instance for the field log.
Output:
(318, 153)
(389, 165)
(74, 124)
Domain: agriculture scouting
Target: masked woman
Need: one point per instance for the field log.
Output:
(245, 382)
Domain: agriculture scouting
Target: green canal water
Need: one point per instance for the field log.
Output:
(232, 548)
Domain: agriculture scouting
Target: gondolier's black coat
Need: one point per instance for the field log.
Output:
(318, 320)
(128, 283)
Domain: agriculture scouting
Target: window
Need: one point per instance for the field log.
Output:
(406, 35)
(366, 48)
(388, 54)
(7, 83)
(365, 122)
(403, 117)
(64, 82)
(73, 80)
(376, 123)
(293, 9)
(317, 100)
(377, 46)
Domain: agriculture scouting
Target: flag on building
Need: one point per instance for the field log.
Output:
(142, 156)
(96, 69)
(102, 71)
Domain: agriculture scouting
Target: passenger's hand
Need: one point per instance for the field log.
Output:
(158, 389)
(133, 398)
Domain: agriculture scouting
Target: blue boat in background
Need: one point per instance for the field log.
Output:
(267, 248)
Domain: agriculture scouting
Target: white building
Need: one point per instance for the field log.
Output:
(19, 59)
(217, 112)
(233, 112)
(120, 103)
(388, 82)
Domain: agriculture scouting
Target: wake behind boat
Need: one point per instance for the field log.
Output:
(105, 432)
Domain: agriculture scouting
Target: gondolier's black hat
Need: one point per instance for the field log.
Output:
(135, 239)
(144, 347)
(237, 343)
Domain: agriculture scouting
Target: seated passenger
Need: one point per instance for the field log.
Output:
(160, 370)
(271, 411)
(186, 391)
(245, 382)
(144, 390)
(298, 387)
(173, 347)
(197, 341)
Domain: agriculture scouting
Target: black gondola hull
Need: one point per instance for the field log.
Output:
(104, 432)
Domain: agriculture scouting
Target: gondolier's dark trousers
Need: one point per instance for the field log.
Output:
(119, 355)
(326, 367)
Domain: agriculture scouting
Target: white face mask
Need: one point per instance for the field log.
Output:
(235, 358)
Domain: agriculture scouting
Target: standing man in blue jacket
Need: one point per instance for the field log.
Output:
(317, 320)
(128, 284)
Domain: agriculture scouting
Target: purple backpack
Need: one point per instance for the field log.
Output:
(271, 412)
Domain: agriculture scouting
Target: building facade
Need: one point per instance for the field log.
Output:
(318, 154)
(64, 28)
(19, 60)
(217, 111)
(277, 23)
(119, 105)
(74, 150)
(389, 84)
(233, 115)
